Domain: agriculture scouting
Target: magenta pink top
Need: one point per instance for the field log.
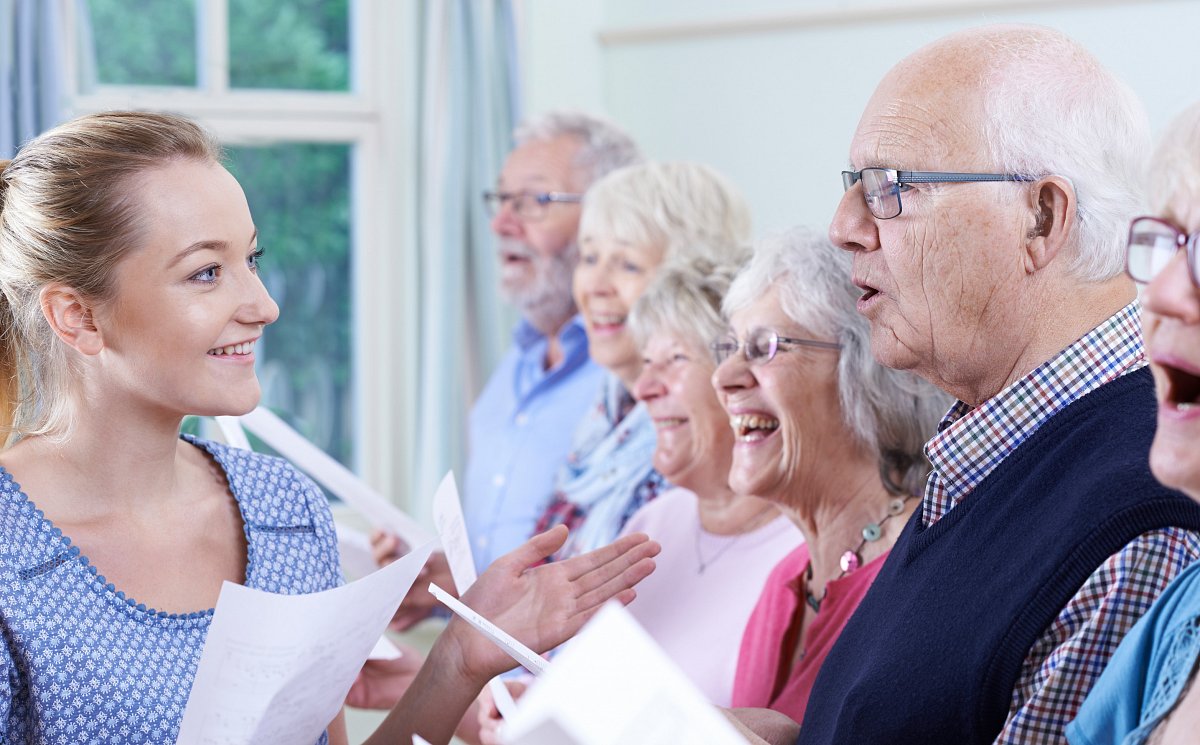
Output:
(763, 678)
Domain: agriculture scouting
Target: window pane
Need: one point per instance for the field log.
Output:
(292, 44)
(148, 43)
(299, 195)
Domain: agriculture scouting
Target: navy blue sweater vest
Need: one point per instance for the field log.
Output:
(934, 651)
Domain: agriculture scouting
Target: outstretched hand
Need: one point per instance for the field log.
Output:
(543, 605)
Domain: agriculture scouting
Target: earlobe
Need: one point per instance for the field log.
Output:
(1053, 223)
(72, 318)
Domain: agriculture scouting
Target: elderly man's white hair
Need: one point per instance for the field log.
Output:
(1050, 107)
(604, 147)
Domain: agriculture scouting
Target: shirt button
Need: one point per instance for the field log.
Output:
(522, 419)
(498, 480)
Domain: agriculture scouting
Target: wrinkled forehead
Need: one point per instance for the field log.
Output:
(926, 115)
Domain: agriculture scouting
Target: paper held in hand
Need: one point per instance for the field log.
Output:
(276, 668)
(612, 685)
(324, 470)
(456, 543)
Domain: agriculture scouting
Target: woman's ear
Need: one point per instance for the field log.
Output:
(1054, 220)
(71, 316)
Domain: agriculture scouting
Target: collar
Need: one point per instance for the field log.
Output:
(525, 335)
(973, 440)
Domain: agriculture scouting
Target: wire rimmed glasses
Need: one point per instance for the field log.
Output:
(761, 345)
(1153, 243)
(882, 186)
(528, 205)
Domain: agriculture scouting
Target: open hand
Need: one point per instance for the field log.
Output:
(543, 605)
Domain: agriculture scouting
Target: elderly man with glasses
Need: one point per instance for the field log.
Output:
(995, 272)
(521, 424)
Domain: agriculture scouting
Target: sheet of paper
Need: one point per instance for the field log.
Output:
(276, 668)
(333, 475)
(501, 638)
(451, 526)
(452, 530)
(612, 685)
(231, 430)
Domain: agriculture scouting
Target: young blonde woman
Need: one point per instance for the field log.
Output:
(129, 298)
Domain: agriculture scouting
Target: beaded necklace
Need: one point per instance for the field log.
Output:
(852, 558)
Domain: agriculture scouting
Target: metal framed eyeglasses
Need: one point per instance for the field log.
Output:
(1153, 243)
(882, 186)
(761, 346)
(528, 205)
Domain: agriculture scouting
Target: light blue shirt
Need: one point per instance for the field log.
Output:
(520, 433)
(81, 662)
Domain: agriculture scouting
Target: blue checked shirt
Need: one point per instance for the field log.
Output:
(971, 441)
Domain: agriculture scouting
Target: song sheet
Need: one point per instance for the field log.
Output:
(612, 685)
(276, 668)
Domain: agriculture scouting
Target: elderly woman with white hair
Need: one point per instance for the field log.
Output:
(718, 545)
(827, 434)
(633, 220)
(1148, 692)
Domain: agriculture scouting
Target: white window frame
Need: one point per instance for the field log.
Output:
(377, 120)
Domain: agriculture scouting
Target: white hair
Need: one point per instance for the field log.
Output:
(687, 208)
(1175, 166)
(891, 412)
(1051, 108)
(683, 300)
(604, 146)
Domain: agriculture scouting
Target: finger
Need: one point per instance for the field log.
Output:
(615, 586)
(534, 551)
(577, 566)
(602, 574)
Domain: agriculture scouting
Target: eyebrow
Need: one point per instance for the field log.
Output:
(205, 246)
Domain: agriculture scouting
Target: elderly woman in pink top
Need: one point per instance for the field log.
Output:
(718, 546)
(827, 434)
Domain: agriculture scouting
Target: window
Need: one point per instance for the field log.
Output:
(316, 135)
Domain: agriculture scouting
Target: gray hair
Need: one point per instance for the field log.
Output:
(683, 300)
(1175, 166)
(891, 412)
(604, 146)
(687, 208)
(1051, 108)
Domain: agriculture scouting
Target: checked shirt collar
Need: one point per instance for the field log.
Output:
(972, 441)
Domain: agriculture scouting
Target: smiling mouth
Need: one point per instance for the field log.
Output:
(752, 427)
(607, 321)
(1182, 389)
(231, 350)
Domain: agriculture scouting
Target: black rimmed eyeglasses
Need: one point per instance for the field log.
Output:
(528, 205)
(1153, 243)
(761, 346)
(882, 186)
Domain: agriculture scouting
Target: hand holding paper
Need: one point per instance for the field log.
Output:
(543, 606)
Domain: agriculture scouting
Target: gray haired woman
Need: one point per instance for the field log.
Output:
(831, 437)
(718, 546)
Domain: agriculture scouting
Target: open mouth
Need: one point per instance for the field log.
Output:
(669, 422)
(232, 350)
(1182, 387)
(752, 427)
(607, 322)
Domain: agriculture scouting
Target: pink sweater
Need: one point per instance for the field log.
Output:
(763, 679)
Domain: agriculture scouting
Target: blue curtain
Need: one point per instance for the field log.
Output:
(31, 70)
(469, 103)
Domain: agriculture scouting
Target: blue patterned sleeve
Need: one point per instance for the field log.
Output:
(327, 564)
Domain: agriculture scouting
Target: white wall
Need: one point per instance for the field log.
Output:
(775, 108)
